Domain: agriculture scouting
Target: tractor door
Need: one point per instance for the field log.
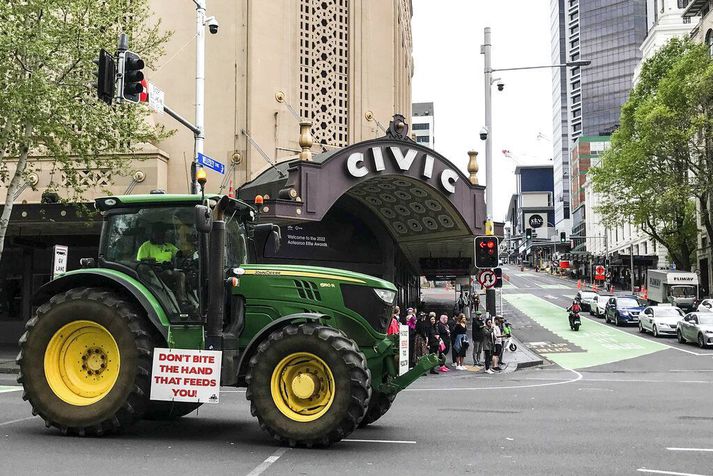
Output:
(159, 247)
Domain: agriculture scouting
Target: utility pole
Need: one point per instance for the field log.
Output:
(490, 305)
(631, 264)
(200, 89)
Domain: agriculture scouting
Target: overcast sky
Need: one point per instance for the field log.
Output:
(447, 35)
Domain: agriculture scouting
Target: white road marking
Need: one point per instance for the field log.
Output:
(691, 370)
(709, 450)
(9, 388)
(549, 296)
(268, 462)
(16, 421)
(450, 389)
(674, 473)
(397, 442)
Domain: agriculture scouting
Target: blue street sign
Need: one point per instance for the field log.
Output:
(212, 164)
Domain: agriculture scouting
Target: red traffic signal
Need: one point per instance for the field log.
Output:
(486, 252)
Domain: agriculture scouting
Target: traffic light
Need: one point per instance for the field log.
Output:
(132, 77)
(486, 252)
(106, 76)
(528, 234)
(563, 237)
(498, 277)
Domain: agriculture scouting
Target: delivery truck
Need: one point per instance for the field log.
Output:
(679, 288)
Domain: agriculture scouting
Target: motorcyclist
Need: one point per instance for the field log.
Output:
(574, 310)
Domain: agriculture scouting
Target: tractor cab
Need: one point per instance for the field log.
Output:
(163, 242)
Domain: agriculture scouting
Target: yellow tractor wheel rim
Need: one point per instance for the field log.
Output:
(82, 363)
(302, 387)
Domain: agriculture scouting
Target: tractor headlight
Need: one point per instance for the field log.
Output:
(386, 295)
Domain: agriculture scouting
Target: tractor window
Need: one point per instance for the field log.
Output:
(160, 245)
(235, 243)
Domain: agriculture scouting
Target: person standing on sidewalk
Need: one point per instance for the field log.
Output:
(460, 341)
(474, 302)
(445, 337)
(497, 344)
(478, 336)
(488, 345)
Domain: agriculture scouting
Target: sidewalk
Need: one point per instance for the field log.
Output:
(8, 353)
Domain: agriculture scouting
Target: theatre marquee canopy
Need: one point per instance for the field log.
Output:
(427, 204)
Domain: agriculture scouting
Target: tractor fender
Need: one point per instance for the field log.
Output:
(267, 330)
(107, 279)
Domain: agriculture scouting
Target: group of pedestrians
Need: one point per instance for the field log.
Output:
(488, 340)
(441, 335)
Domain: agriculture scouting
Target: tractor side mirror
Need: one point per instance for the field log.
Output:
(267, 234)
(203, 219)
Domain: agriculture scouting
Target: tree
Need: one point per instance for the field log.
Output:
(645, 177)
(48, 105)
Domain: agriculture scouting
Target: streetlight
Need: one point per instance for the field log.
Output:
(485, 50)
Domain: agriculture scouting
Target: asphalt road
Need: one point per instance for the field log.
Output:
(627, 405)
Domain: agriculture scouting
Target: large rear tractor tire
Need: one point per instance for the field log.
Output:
(308, 385)
(85, 362)
(378, 406)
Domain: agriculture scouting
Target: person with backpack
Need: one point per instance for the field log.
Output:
(574, 310)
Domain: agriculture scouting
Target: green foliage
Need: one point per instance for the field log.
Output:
(48, 106)
(646, 177)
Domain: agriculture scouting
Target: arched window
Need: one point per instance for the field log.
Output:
(709, 42)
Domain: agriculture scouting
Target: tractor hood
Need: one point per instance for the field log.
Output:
(342, 275)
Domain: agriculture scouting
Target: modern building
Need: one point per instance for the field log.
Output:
(608, 33)
(584, 150)
(560, 115)
(701, 14)
(664, 21)
(531, 211)
(271, 64)
(422, 126)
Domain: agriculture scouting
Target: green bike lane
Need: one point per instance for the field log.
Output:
(600, 343)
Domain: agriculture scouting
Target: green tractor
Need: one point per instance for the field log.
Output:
(176, 272)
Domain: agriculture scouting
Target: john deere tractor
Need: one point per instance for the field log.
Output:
(177, 272)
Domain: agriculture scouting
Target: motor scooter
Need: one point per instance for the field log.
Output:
(574, 321)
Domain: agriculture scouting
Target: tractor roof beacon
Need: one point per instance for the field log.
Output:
(177, 271)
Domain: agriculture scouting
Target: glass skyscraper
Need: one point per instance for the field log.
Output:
(608, 33)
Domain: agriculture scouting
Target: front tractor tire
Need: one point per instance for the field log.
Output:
(308, 385)
(85, 362)
(378, 406)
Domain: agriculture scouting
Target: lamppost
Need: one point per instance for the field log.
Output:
(485, 50)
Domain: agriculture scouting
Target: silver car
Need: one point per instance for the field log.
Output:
(599, 305)
(705, 306)
(696, 327)
(660, 320)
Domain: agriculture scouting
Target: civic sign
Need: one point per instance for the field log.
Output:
(599, 273)
(184, 375)
(358, 166)
(212, 164)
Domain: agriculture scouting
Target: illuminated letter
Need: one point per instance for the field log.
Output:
(448, 180)
(378, 159)
(356, 170)
(428, 166)
(404, 163)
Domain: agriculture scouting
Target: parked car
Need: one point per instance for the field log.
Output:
(660, 320)
(705, 306)
(622, 310)
(587, 299)
(696, 327)
(599, 304)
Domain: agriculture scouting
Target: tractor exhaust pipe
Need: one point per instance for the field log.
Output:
(216, 279)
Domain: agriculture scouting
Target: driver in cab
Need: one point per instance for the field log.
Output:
(158, 250)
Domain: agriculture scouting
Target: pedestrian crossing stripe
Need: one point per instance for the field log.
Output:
(8, 388)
